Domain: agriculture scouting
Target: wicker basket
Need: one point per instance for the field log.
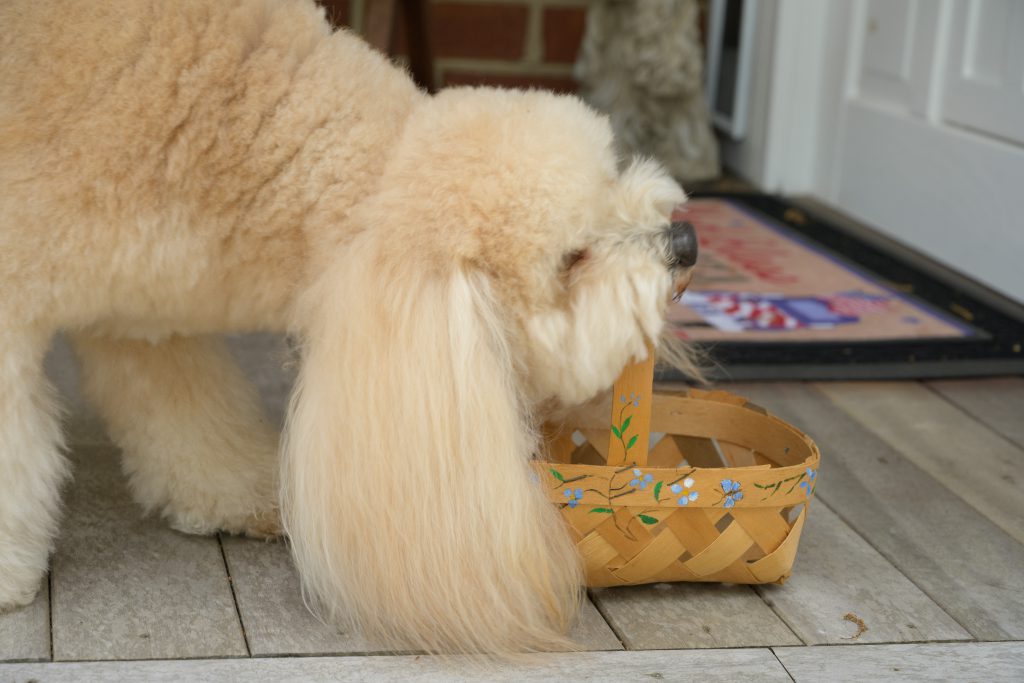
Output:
(721, 497)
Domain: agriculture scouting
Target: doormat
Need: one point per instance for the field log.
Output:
(781, 294)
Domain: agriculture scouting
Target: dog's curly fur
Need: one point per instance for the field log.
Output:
(454, 267)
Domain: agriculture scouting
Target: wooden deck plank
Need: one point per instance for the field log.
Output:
(997, 402)
(25, 633)
(837, 574)
(592, 632)
(691, 615)
(973, 462)
(125, 587)
(612, 667)
(270, 603)
(959, 558)
(923, 662)
(277, 622)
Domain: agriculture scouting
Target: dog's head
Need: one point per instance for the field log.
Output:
(505, 262)
(524, 193)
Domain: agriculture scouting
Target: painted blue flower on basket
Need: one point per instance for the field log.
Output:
(688, 495)
(732, 492)
(633, 398)
(573, 496)
(808, 484)
(640, 480)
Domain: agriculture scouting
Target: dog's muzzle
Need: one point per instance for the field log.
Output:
(683, 254)
(682, 244)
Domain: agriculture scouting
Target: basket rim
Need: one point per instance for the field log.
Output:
(771, 485)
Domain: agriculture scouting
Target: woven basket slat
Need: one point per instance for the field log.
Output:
(662, 550)
(604, 576)
(767, 530)
(598, 438)
(715, 499)
(587, 454)
(775, 567)
(580, 521)
(670, 574)
(625, 532)
(699, 451)
(596, 552)
(730, 545)
(560, 445)
(666, 453)
(738, 572)
(708, 419)
(736, 455)
(694, 527)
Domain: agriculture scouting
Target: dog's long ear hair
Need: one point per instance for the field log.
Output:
(408, 496)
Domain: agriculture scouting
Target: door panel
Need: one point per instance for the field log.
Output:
(984, 87)
(896, 57)
(948, 193)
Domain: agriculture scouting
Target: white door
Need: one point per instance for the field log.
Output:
(907, 114)
(984, 86)
(927, 137)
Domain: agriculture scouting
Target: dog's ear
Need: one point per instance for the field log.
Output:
(408, 496)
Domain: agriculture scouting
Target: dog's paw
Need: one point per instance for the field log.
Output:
(14, 597)
(262, 524)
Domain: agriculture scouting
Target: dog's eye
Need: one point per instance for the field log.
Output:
(572, 258)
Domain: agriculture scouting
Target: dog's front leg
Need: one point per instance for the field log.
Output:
(32, 466)
(196, 445)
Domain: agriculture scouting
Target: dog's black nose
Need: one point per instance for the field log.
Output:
(683, 244)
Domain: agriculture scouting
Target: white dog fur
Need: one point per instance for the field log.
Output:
(455, 267)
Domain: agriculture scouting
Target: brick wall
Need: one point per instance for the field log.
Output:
(515, 43)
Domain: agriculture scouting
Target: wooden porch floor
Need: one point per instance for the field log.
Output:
(911, 567)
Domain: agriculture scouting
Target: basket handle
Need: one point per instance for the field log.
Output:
(630, 436)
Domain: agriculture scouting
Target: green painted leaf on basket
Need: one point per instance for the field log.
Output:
(631, 442)
(606, 510)
(647, 519)
(625, 425)
(616, 432)
(657, 491)
(556, 474)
